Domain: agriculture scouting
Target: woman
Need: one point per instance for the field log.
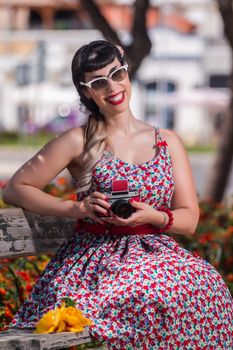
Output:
(137, 285)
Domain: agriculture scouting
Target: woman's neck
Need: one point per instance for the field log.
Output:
(122, 124)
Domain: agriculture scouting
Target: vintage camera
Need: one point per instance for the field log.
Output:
(119, 199)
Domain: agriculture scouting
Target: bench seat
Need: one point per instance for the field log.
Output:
(23, 233)
(17, 339)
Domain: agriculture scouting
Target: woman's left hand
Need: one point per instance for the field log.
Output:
(144, 214)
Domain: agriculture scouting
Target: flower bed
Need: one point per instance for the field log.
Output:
(17, 279)
(213, 241)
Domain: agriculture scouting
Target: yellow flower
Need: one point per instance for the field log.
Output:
(74, 319)
(63, 319)
(51, 321)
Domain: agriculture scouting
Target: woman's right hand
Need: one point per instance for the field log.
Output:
(92, 205)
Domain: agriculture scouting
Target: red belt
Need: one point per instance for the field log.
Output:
(112, 229)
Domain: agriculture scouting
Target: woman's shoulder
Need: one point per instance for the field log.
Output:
(73, 136)
(170, 136)
(173, 140)
(69, 143)
(76, 132)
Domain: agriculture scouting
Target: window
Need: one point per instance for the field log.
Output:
(35, 20)
(218, 81)
(67, 19)
(156, 112)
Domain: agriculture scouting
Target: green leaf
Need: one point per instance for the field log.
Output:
(68, 302)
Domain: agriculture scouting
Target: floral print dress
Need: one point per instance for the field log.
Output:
(141, 291)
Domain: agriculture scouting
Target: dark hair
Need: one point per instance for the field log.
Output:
(88, 58)
(96, 55)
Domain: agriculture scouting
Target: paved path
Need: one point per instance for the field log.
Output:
(202, 165)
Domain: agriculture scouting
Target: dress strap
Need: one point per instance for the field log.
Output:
(160, 142)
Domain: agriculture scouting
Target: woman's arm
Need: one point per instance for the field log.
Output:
(185, 207)
(25, 188)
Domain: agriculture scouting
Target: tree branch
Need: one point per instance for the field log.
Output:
(100, 21)
(140, 45)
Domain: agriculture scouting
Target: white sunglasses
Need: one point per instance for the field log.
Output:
(118, 74)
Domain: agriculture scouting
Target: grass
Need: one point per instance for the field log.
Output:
(201, 148)
(38, 140)
(17, 140)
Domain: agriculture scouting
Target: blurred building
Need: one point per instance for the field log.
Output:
(64, 14)
(40, 14)
(181, 85)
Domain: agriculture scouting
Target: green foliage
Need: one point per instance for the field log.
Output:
(210, 148)
(69, 302)
(15, 139)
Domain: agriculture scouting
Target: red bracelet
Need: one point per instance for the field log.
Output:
(170, 219)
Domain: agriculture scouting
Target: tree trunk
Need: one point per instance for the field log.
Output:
(140, 45)
(99, 20)
(222, 168)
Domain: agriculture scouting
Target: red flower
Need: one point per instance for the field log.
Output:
(25, 276)
(3, 183)
(229, 277)
(8, 313)
(62, 181)
(2, 291)
(205, 238)
(28, 288)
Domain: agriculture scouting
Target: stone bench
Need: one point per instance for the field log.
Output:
(23, 233)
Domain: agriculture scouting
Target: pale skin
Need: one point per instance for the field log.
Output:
(132, 141)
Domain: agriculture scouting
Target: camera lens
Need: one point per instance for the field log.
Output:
(122, 208)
